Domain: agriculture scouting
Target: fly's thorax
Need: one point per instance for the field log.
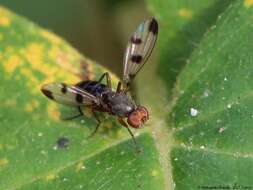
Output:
(119, 103)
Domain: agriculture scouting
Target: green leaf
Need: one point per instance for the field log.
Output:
(30, 124)
(212, 107)
(182, 25)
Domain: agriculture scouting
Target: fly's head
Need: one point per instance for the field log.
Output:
(138, 117)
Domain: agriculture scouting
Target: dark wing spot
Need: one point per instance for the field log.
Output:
(79, 98)
(64, 88)
(62, 142)
(136, 58)
(131, 76)
(153, 27)
(47, 93)
(135, 40)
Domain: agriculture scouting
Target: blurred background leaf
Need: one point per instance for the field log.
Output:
(86, 23)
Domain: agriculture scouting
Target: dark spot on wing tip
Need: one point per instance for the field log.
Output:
(64, 88)
(79, 98)
(135, 40)
(153, 26)
(136, 59)
(47, 93)
(131, 76)
(62, 142)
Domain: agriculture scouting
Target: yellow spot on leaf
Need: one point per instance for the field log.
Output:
(12, 63)
(154, 173)
(29, 107)
(3, 162)
(53, 111)
(34, 53)
(32, 83)
(185, 13)
(51, 37)
(248, 3)
(80, 166)
(4, 20)
(50, 177)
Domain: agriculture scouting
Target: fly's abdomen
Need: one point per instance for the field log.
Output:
(93, 87)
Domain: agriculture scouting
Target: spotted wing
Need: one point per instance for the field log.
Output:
(139, 48)
(68, 94)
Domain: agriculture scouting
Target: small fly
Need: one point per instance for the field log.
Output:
(101, 97)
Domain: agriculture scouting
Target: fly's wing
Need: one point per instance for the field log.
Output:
(139, 49)
(68, 94)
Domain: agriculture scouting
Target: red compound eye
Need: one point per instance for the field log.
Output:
(138, 117)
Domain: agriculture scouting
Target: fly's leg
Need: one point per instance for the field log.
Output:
(122, 122)
(108, 80)
(118, 87)
(98, 123)
(75, 116)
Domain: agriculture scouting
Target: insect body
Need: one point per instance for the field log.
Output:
(101, 97)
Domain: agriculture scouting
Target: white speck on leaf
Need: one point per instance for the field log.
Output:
(194, 112)
(206, 93)
(190, 140)
(213, 27)
(202, 147)
(129, 163)
(229, 106)
(175, 159)
(97, 162)
(225, 79)
(218, 121)
(43, 152)
(182, 144)
(40, 134)
(222, 129)
(65, 179)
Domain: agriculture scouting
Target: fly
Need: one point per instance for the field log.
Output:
(101, 97)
